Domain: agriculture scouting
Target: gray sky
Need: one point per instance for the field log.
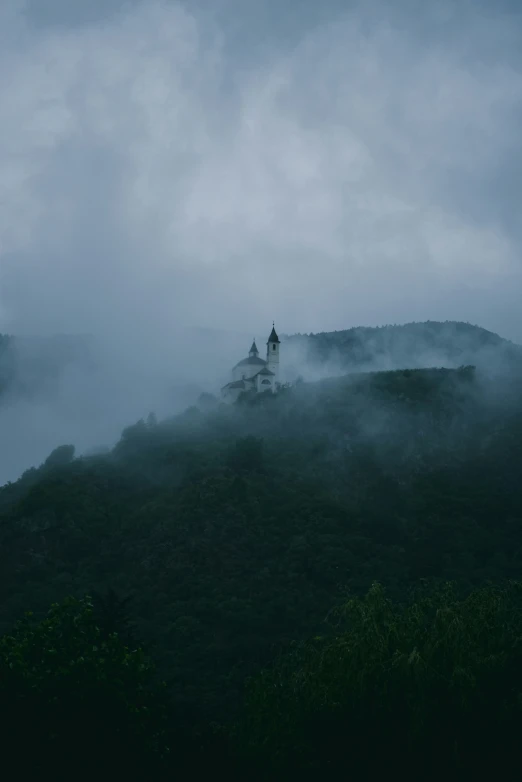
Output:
(224, 163)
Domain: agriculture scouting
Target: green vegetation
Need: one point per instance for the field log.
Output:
(74, 696)
(424, 690)
(431, 690)
(409, 345)
(228, 534)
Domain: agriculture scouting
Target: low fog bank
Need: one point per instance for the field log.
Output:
(80, 390)
(84, 391)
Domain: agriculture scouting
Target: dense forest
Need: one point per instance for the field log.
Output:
(284, 563)
(412, 345)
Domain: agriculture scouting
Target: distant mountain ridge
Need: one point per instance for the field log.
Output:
(408, 346)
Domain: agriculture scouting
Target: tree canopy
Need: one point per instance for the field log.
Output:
(75, 699)
(427, 690)
(229, 533)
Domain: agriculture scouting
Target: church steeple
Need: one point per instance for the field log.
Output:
(273, 336)
(253, 350)
(272, 352)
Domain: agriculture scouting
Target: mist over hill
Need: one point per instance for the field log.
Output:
(412, 345)
(79, 389)
(84, 390)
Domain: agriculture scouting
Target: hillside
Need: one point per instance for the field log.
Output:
(234, 530)
(412, 345)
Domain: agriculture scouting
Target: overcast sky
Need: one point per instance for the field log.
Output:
(225, 163)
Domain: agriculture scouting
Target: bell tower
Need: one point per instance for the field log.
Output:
(272, 353)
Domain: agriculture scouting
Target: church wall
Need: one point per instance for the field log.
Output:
(239, 372)
(261, 386)
(247, 371)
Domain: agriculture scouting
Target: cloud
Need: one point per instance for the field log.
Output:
(154, 175)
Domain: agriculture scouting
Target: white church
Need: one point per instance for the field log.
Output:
(254, 373)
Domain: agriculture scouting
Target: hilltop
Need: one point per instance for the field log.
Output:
(31, 365)
(412, 345)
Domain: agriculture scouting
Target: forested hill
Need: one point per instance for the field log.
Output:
(234, 530)
(412, 345)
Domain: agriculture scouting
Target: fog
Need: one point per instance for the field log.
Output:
(174, 176)
(85, 391)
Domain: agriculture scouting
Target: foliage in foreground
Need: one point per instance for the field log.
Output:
(75, 698)
(429, 691)
(425, 691)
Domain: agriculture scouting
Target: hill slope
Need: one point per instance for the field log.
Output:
(412, 345)
(235, 530)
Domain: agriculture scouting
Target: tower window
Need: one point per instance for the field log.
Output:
(273, 347)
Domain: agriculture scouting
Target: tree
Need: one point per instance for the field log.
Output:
(247, 454)
(111, 614)
(152, 420)
(62, 455)
(429, 691)
(75, 702)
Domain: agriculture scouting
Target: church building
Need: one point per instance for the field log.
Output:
(254, 373)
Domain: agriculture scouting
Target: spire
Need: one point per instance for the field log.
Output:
(273, 335)
(253, 350)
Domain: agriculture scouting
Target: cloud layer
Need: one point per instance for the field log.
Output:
(155, 173)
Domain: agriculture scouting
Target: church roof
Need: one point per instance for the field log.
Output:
(235, 384)
(252, 360)
(264, 371)
(273, 336)
(253, 349)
